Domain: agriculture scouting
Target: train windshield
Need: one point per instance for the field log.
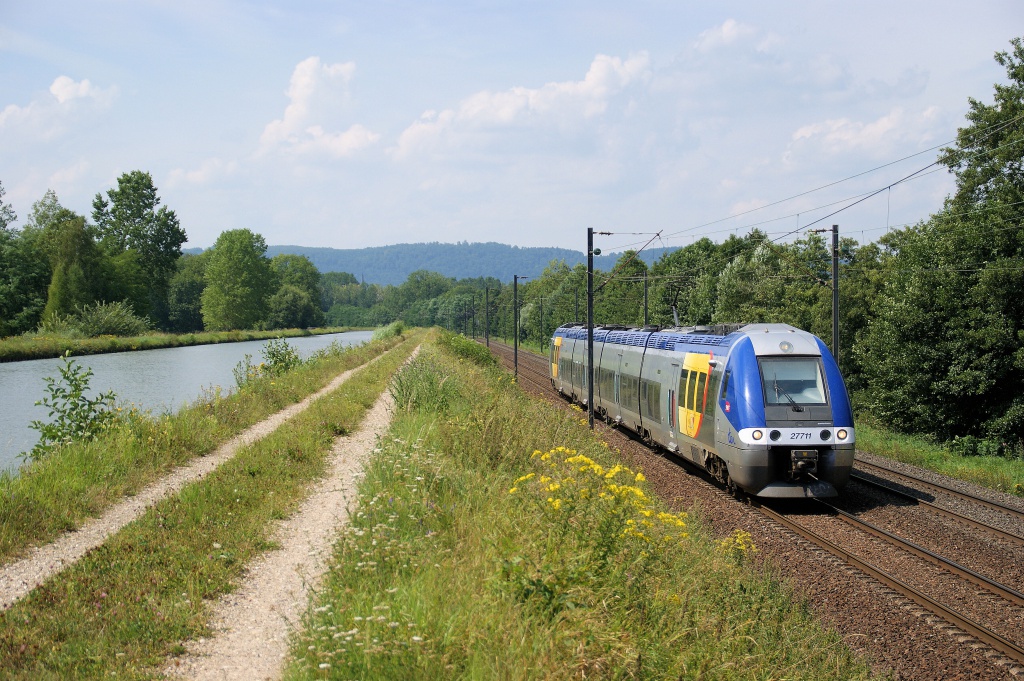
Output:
(792, 380)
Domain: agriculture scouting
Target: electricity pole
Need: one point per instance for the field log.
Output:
(487, 321)
(515, 321)
(835, 292)
(645, 297)
(515, 324)
(835, 288)
(591, 252)
(590, 326)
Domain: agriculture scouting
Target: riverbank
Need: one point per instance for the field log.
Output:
(58, 493)
(126, 605)
(18, 348)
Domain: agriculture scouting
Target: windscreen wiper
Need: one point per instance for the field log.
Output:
(780, 390)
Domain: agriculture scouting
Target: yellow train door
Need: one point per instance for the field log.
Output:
(693, 387)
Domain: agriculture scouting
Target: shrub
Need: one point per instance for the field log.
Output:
(392, 330)
(278, 357)
(969, 445)
(466, 348)
(99, 319)
(75, 415)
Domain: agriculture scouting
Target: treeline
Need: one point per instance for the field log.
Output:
(123, 272)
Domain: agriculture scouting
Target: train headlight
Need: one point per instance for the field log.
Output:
(757, 435)
(775, 435)
(841, 434)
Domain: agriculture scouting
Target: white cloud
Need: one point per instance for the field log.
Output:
(65, 89)
(49, 115)
(842, 135)
(68, 176)
(729, 33)
(209, 170)
(310, 92)
(572, 100)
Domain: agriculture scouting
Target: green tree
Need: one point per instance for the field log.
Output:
(7, 214)
(291, 308)
(298, 272)
(75, 261)
(239, 282)
(133, 220)
(185, 293)
(619, 294)
(24, 276)
(943, 354)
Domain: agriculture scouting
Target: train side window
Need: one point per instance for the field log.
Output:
(725, 385)
(702, 379)
(691, 391)
(684, 378)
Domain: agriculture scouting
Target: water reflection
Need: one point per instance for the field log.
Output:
(158, 380)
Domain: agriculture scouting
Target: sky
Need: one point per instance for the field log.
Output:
(356, 124)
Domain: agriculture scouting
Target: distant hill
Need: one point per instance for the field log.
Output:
(394, 264)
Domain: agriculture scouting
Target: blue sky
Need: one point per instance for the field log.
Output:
(349, 124)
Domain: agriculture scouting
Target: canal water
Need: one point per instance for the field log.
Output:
(158, 380)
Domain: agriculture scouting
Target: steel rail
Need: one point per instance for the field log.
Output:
(1017, 513)
(978, 631)
(977, 524)
(1001, 590)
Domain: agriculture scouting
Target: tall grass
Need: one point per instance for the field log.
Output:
(126, 607)
(78, 481)
(495, 538)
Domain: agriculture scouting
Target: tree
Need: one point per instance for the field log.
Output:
(292, 308)
(75, 263)
(239, 282)
(943, 353)
(24, 276)
(185, 293)
(298, 272)
(132, 221)
(7, 214)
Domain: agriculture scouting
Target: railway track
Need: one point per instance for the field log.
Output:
(915, 482)
(969, 625)
(974, 609)
(939, 510)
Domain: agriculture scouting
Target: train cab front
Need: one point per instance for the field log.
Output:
(807, 443)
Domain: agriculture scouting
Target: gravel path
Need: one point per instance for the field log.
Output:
(252, 624)
(17, 579)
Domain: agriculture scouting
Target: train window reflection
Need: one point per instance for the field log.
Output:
(792, 380)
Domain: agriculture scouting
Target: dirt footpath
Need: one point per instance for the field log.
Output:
(252, 624)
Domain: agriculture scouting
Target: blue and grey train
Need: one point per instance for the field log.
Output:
(762, 407)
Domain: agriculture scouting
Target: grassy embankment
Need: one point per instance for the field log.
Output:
(1001, 473)
(16, 348)
(59, 492)
(126, 606)
(483, 548)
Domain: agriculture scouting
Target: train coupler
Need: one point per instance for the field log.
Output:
(803, 462)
